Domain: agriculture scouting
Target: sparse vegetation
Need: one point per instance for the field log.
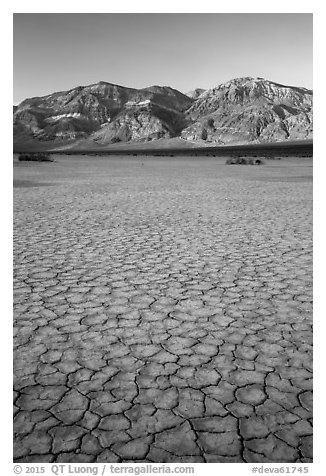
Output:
(243, 161)
(35, 157)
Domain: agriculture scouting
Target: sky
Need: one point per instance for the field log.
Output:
(59, 51)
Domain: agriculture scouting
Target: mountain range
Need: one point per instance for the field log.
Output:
(241, 111)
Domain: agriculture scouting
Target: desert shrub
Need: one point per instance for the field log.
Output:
(233, 161)
(35, 157)
(243, 161)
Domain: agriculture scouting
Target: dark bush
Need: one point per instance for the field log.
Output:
(35, 157)
(243, 161)
(233, 161)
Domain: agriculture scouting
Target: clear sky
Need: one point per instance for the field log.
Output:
(59, 51)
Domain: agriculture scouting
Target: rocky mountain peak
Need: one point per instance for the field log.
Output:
(249, 109)
(248, 91)
(195, 93)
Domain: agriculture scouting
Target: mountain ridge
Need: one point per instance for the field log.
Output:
(242, 110)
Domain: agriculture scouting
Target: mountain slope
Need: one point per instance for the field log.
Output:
(250, 110)
(80, 112)
(70, 114)
(243, 110)
(151, 113)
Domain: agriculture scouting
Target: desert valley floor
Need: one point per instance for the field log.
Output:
(162, 310)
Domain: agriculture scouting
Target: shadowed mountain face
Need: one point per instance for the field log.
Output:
(244, 110)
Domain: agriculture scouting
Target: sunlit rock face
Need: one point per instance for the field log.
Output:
(195, 93)
(103, 113)
(243, 110)
(248, 110)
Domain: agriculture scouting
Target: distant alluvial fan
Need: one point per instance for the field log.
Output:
(243, 110)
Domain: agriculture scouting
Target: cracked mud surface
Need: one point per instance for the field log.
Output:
(162, 311)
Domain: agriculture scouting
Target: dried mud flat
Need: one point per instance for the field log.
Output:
(162, 311)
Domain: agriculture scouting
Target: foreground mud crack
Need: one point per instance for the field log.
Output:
(163, 313)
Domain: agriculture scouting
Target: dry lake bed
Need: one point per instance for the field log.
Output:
(162, 310)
